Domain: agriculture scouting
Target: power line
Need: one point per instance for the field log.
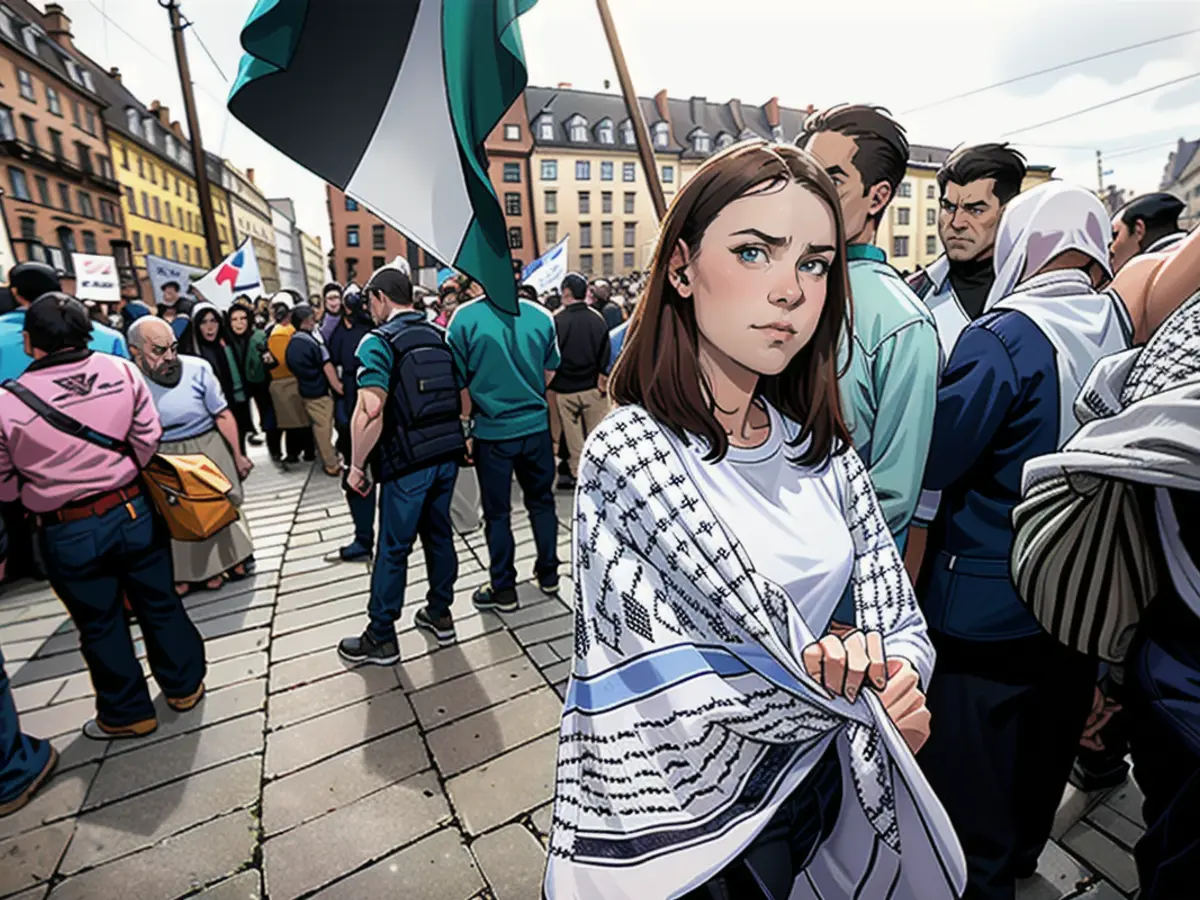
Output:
(188, 23)
(1080, 112)
(117, 25)
(1131, 151)
(1059, 67)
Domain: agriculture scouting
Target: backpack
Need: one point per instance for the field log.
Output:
(422, 415)
(920, 283)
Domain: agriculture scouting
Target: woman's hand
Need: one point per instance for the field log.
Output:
(843, 659)
(904, 703)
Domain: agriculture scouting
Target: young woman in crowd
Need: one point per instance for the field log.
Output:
(249, 344)
(210, 340)
(722, 736)
(330, 301)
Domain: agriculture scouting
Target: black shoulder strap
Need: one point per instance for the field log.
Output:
(65, 423)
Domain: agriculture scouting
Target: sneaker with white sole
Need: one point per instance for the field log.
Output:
(442, 628)
(490, 600)
(366, 649)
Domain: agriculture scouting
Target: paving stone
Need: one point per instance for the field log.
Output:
(177, 757)
(332, 532)
(271, 509)
(316, 549)
(488, 734)
(74, 750)
(59, 797)
(560, 688)
(342, 779)
(1115, 825)
(266, 543)
(542, 817)
(1104, 855)
(231, 671)
(302, 540)
(75, 687)
(40, 629)
(560, 671)
(458, 659)
(477, 690)
(438, 867)
(31, 858)
(51, 667)
(1128, 800)
(317, 852)
(40, 693)
(1058, 875)
(259, 581)
(238, 643)
(211, 629)
(564, 646)
(308, 516)
(173, 868)
(415, 643)
(322, 576)
(257, 531)
(317, 525)
(142, 821)
(506, 787)
(217, 706)
(37, 893)
(358, 585)
(246, 886)
(545, 608)
(548, 630)
(229, 605)
(318, 637)
(61, 718)
(307, 669)
(512, 861)
(287, 623)
(543, 655)
(307, 742)
(325, 696)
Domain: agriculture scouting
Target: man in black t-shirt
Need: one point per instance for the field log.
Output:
(580, 384)
(308, 359)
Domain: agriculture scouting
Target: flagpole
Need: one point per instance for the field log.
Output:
(640, 132)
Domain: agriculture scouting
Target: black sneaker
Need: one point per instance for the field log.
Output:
(442, 629)
(549, 585)
(495, 601)
(566, 483)
(355, 552)
(366, 649)
(1090, 777)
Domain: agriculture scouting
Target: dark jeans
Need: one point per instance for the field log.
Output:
(1009, 715)
(531, 459)
(768, 867)
(22, 757)
(23, 554)
(245, 421)
(417, 504)
(1162, 693)
(362, 509)
(92, 562)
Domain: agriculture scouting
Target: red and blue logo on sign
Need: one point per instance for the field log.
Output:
(231, 269)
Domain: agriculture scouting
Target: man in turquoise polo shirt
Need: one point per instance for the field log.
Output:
(889, 393)
(504, 363)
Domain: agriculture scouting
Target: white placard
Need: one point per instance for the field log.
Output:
(96, 278)
(160, 271)
(547, 271)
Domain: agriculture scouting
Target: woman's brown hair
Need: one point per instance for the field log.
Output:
(659, 367)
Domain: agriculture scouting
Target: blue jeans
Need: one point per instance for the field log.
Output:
(412, 505)
(93, 562)
(531, 459)
(22, 757)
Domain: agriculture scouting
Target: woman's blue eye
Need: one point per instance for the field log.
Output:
(750, 254)
(815, 267)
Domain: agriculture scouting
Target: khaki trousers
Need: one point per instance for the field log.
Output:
(555, 421)
(320, 413)
(581, 413)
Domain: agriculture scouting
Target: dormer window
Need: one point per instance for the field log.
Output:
(604, 132)
(133, 120)
(30, 36)
(724, 140)
(747, 135)
(662, 135)
(172, 147)
(148, 130)
(6, 24)
(701, 142)
(545, 128)
(777, 133)
(577, 129)
(88, 81)
(627, 134)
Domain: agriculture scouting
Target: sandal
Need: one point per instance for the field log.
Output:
(215, 583)
(182, 588)
(239, 572)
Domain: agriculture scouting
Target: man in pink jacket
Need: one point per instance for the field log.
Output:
(75, 431)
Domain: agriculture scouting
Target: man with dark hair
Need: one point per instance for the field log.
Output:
(75, 431)
(1146, 224)
(175, 310)
(308, 359)
(331, 309)
(579, 385)
(407, 425)
(889, 391)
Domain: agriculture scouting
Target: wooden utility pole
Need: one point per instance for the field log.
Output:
(640, 132)
(203, 188)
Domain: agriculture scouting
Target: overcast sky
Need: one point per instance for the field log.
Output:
(899, 55)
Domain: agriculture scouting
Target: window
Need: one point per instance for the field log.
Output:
(606, 171)
(905, 189)
(512, 132)
(7, 130)
(931, 217)
(106, 168)
(583, 170)
(88, 82)
(777, 132)
(628, 172)
(627, 262)
(141, 167)
(85, 206)
(148, 130)
(512, 204)
(30, 130)
(133, 121)
(66, 240)
(552, 202)
(137, 240)
(378, 238)
(108, 212)
(662, 135)
(351, 204)
(6, 24)
(131, 200)
(929, 194)
(351, 235)
(630, 200)
(900, 246)
(43, 189)
(89, 242)
(627, 134)
(549, 170)
(606, 234)
(512, 173)
(605, 132)
(378, 262)
(172, 146)
(53, 101)
(25, 80)
(606, 202)
(77, 113)
(585, 202)
(545, 129)
(64, 196)
(902, 215)
(178, 187)
(577, 128)
(701, 142)
(157, 210)
(630, 234)
(187, 253)
(153, 174)
(175, 250)
(551, 233)
(515, 240)
(930, 245)
(84, 156)
(145, 204)
(20, 187)
(724, 140)
(89, 120)
(585, 234)
(28, 228)
(167, 212)
(585, 263)
(56, 144)
(606, 263)
(162, 247)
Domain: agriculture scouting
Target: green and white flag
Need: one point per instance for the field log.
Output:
(391, 101)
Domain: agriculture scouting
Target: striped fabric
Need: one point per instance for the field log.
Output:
(409, 102)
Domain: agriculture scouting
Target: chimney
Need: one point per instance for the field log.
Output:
(771, 111)
(58, 26)
(698, 108)
(660, 103)
(177, 130)
(162, 113)
(250, 176)
(809, 110)
(735, 112)
(115, 74)
(564, 85)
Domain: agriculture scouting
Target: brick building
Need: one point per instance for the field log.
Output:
(362, 242)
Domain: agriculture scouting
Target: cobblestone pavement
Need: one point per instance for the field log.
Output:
(297, 777)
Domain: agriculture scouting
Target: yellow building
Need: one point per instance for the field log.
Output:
(909, 232)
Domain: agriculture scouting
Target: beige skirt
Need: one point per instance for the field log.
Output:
(289, 406)
(198, 561)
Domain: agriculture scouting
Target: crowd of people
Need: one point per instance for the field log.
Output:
(795, 514)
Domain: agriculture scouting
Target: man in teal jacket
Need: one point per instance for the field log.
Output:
(889, 393)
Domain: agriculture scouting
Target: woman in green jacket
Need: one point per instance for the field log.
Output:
(248, 345)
